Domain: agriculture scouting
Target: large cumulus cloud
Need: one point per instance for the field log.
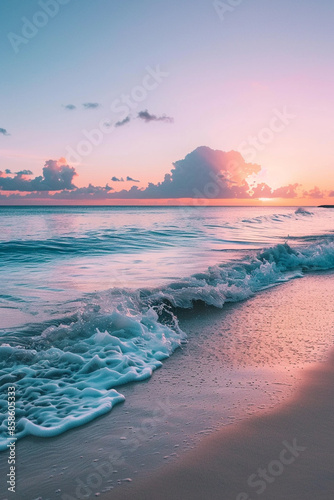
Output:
(203, 173)
(56, 176)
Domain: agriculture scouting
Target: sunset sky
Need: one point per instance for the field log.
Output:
(125, 89)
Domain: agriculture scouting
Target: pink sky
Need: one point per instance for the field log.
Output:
(167, 79)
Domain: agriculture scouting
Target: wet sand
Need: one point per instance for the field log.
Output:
(247, 359)
(287, 454)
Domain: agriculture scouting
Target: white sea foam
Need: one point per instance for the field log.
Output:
(62, 387)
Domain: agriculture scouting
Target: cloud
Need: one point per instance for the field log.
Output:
(143, 115)
(121, 179)
(70, 107)
(91, 105)
(204, 173)
(85, 193)
(21, 172)
(8, 171)
(89, 192)
(289, 191)
(56, 176)
(123, 122)
(3, 131)
(147, 117)
(262, 190)
(314, 193)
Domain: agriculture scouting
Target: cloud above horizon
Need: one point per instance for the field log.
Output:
(121, 179)
(85, 105)
(21, 172)
(3, 131)
(123, 122)
(262, 190)
(203, 174)
(70, 107)
(148, 117)
(315, 193)
(84, 193)
(91, 105)
(144, 116)
(56, 176)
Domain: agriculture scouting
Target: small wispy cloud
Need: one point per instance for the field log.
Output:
(123, 122)
(91, 105)
(3, 131)
(148, 117)
(70, 107)
(143, 115)
(121, 179)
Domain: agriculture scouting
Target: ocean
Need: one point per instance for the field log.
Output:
(90, 296)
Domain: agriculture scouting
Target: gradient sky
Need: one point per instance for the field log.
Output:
(228, 77)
